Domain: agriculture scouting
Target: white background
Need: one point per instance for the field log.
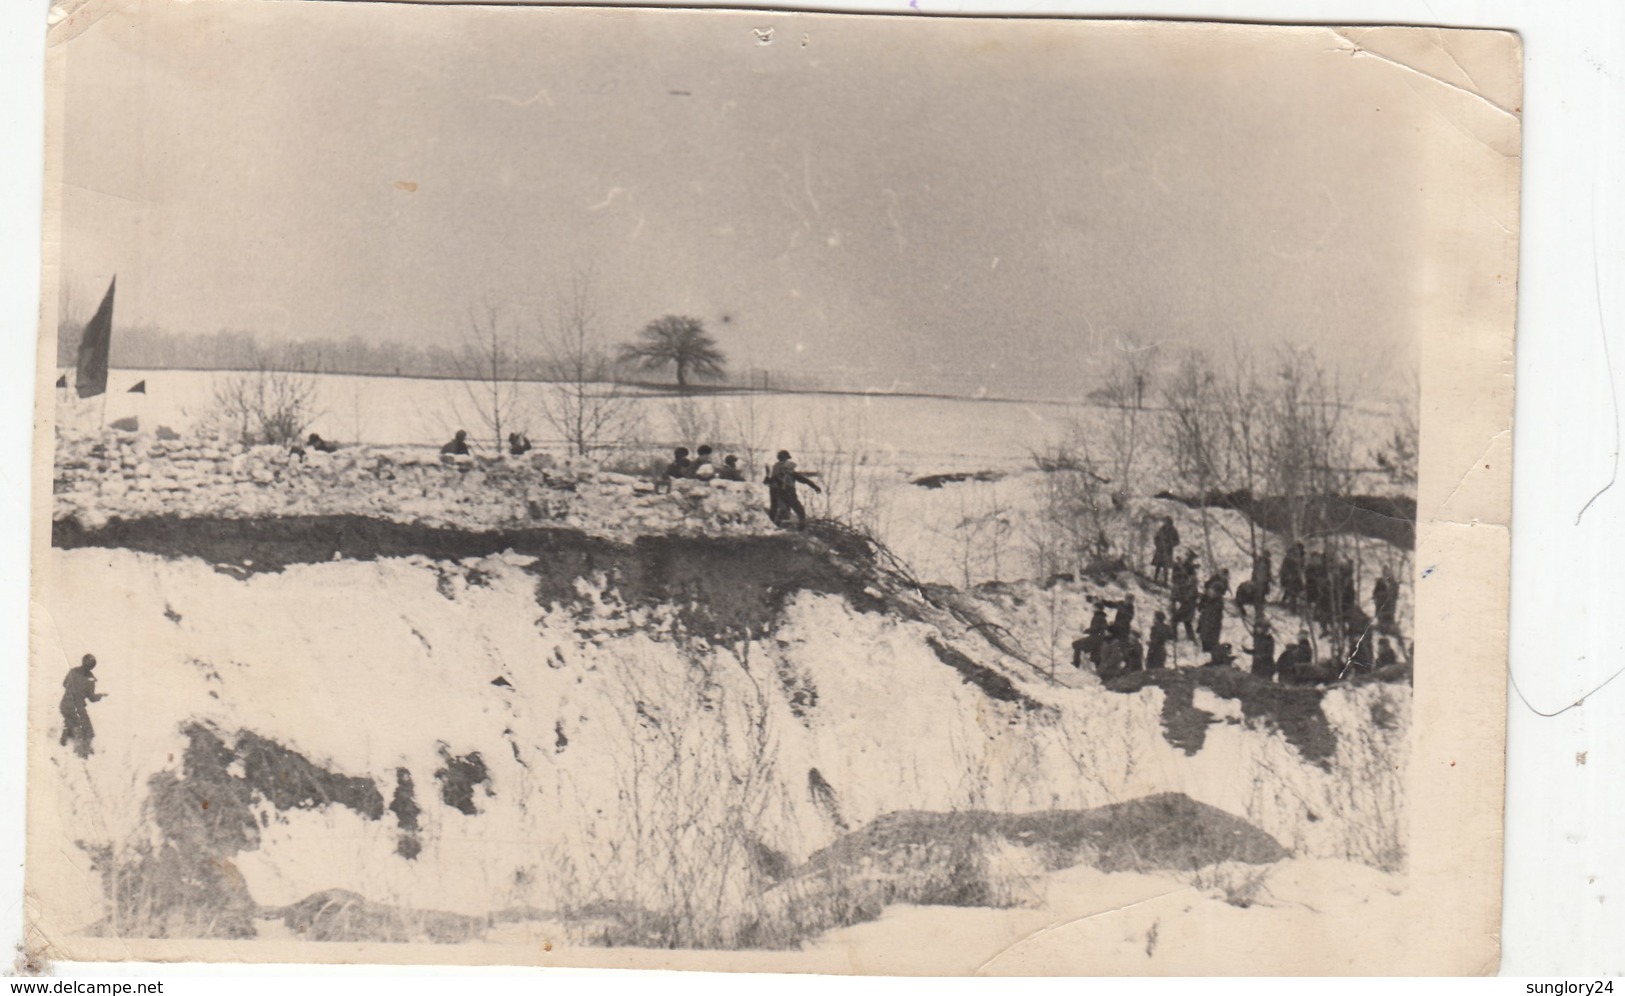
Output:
(1565, 832)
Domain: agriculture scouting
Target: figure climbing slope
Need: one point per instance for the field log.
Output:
(78, 691)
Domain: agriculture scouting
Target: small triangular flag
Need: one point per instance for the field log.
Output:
(139, 388)
(62, 381)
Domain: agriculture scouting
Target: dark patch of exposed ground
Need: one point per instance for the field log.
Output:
(458, 778)
(1294, 710)
(961, 859)
(1390, 519)
(404, 805)
(936, 481)
(288, 781)
(1157, 832)
(341, 915)
(992, 683)
(721, 589)
(185, 884)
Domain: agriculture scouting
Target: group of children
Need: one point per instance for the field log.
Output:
(781, 477)
(1321, 585)
(781, 480)
(700, 467)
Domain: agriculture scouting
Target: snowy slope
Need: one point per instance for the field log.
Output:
(632, 752)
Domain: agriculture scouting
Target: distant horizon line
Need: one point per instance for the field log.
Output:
(657, 389)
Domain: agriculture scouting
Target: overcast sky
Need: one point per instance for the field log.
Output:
(928, 202)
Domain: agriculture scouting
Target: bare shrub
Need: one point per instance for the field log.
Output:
(1218, 437)
(979, 529)
(1361, 805)
(274, 402)
(684, 865)
(1240, 885)
(635, 461)
(834, 450)
(696, 423)
(1069, 532)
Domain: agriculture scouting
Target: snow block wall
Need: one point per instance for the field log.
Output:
(123, 474)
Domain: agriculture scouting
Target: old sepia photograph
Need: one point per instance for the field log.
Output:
(790, 492)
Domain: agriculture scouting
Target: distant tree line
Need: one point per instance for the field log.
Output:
(675, 343)
(148, 348)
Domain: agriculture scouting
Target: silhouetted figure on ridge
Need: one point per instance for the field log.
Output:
(458, 445)
(1093, 640)
(1183, 599)
(78, 691)
(1210, 614)
(680, 467)
(1385, 601)
(1123, 621)
(1294, 663)
(1162, 555)
(782, 479)
(1262, 652)
(703, 469)
(1156, 651)
(1292, 580)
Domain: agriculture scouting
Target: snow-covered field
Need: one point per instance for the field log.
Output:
(929, 434)
(909, 434)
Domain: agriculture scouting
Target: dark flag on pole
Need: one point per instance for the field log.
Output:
(62, 381)
(139, 388)
(94, 346)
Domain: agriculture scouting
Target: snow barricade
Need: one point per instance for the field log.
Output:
(125, 475)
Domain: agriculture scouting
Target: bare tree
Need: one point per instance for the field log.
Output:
(584, 404)
(1219, 428)
(1131, 375)
(1190, 397)
(1311, 458)
(488, 367)
(1397, 456)
(1241, 419)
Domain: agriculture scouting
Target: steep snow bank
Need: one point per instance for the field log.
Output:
(595, 729)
